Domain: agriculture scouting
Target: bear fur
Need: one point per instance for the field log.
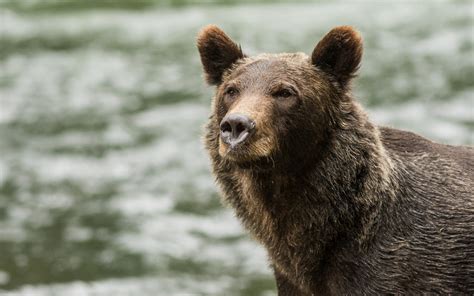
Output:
(341, 205)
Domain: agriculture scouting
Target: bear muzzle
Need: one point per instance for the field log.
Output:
(236, 129)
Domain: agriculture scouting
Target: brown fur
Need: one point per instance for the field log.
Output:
(218, 52)
(339, 53)
(342, 206)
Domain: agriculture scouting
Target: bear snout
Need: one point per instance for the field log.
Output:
(235, 129)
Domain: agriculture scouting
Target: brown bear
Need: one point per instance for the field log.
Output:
(341, 205)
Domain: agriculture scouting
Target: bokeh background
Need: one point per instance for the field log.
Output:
(105, 188)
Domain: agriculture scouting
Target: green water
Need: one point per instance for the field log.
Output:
(104, 185)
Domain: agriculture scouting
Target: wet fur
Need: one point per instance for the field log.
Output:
(341, 205)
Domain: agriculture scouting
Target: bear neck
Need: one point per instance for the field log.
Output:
(305, 217)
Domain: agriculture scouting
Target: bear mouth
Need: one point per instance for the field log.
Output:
(236, 151)
(252, 162)
(254, 150)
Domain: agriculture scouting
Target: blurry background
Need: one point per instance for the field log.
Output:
(104, 185)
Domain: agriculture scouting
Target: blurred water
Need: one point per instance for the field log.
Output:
(104, 184)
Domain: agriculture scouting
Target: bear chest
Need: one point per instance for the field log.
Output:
(267, 208)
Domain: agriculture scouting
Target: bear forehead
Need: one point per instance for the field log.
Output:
(269, 67)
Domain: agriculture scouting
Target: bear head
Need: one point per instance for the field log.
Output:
(276, 109)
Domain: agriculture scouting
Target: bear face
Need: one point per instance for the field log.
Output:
(269, 92)
(268, 104)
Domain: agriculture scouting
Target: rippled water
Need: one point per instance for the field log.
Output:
(104, 185)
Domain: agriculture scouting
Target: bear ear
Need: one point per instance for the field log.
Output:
(218, 52)
(339, 53)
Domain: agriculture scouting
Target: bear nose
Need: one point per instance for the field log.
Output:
(236, 128)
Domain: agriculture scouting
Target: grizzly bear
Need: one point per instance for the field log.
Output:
(342, 206)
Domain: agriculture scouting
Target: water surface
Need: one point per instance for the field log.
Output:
(105, 188)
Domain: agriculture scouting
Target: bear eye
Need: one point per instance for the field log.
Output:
(231, 91)
(283, 93)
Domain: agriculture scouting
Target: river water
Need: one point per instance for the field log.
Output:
(105, 188)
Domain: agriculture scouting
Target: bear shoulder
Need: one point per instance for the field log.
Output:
(405, 143)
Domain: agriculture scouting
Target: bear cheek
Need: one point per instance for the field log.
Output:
(263, 147)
